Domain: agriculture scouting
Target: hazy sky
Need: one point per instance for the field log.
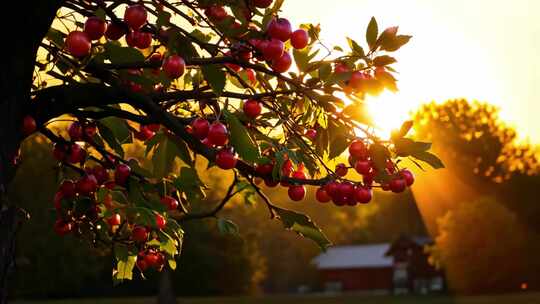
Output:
(479, 49)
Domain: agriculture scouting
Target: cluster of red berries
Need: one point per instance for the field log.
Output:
(150, 258)
(362, 81)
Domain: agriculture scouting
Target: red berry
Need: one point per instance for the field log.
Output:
(322, 196)
(363, 167)
(398, 185)
(299, 175)
(75, 131)
(78, 44)
(311, 134)
(408, 176)
(121, 174)
(282, 64)
(286, 168)
(358, 80)
(139, 234)
(225, 159)
(87, 184)
(135, 16)
(299, 39)
(160, 221)
(114, 220)
(58, 197)
(144, 133)
(341, 169)
(76, 154)
(272, 49)
(141, 264)
(261, 3)
(218, 134)
(251, 76)
(270, 182)
(90, 130)
(94, 27)
(62, 228)
(154, 127)
(67, 188)
(216, 13)
(59, 151)
(340, 68)
(252, 108)
(29, 125)
(358, 149)
(115, 31)
(151, 259)
(170, 202)
(363, 194)
(280, 29)
(264, 169)
(200, 127)
(332, 188)
(296, 193)
(174, 66)
(101, 174)
(141, 40)
(346, 189)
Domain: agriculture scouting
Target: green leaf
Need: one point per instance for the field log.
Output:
(56, 37)
(118, 127)
(371, 33)
(301, 58)
(383, 60)
(379, 155)
(135, 194)
(429, 158)
(168, 244)
(215, 77)
(396, 43)
(338, 134)
(241, 140)
(358, 111)
(356, 48)
(325, 70)
(189, 182)
(125, 262)
(227, 227)
(122, 55)
(165, 152)
(101, 14)
(302, 224)
(108, 136)
(407, 146)
(405, 128)
(163, 19)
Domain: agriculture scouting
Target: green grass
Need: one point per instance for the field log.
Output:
(524, 298)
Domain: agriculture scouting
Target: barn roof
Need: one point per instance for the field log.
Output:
(358, 256)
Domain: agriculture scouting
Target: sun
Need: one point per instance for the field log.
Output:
(388, 111)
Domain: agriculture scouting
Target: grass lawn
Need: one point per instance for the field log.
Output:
(524, 298)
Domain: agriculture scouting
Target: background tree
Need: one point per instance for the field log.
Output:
(190, 79)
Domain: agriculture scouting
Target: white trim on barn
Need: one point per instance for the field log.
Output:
(358, 256)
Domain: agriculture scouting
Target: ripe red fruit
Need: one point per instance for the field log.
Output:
(114, 220)
(160, 221)
(296, 193)
(346, 189)
(363, 194)
(270, 182)
(226, 159)
(261, 3)
(139, 234)
(332, 188)
(101, 174)
(264, 169)
(58, 196)
(141, 40)
(341, 169)
(76, 154)
(272, 49)
(200, 127)
(170, 202)
(75, 131)
(174, 66)
(29, 125)
(78, 44)
(358, 80)
(141, 264)
(358, 149)
(144, 133)
(282, 64)
(67, 188)
(94, 27)
(115, 31)
(299, 174)
(311, 134)
(299, 39)
(216, 13)
(121, 174)
(218, 134)
(87, 184)
(280, 28)
(398, 185)
(90, 130)
(340, 68)
(363, 167)
(62, 228)
(59, 152)
(252, 108)
(408, 176)
(135, 16)
(286, 168)
(322, 196)
(251, 76)
(151, 259)
(154, 127)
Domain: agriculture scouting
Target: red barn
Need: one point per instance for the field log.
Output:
(399, 267)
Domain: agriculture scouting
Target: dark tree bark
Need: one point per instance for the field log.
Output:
(25, 29)
(166, 292)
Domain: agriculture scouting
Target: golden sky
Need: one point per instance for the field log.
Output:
(479, 49)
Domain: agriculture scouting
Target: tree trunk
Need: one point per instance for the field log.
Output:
(24, 34)
(166, 292)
